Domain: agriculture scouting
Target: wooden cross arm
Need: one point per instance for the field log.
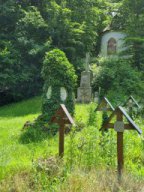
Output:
(103, 109)
(111, 126)
(62, 116)
(59, 119)
(120, 113)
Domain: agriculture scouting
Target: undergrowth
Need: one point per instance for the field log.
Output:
(30, 162)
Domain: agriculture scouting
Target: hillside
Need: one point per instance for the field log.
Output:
(89, 157)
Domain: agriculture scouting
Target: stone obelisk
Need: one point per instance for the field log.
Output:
(84, 92)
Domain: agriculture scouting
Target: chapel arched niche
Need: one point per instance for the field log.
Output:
(111, 46)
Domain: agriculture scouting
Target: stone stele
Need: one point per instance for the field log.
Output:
(84, 92)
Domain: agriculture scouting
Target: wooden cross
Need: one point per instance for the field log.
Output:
(119, 126)
(130, 104)
(62, 117)
(104, 105)
(134, 103)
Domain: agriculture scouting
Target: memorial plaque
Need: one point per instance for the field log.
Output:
(63, 93)
(49, 93)
(119, 126)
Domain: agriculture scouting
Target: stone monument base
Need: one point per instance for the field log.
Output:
(84, 94)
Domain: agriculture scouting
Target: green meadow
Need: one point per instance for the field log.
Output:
(29, 160)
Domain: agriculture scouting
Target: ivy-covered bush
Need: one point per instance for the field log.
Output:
(59, 83)
(59, 77)
(118, 79)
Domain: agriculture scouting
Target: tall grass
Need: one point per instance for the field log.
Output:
(100, 181)
(89, 162)
(14, 155)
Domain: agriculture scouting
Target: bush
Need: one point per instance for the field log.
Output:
(58, 74)
(118, 79)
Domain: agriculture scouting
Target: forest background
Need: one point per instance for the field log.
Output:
(31, 28)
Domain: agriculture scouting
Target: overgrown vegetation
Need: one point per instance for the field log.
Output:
(89, 156)
(58, 73)
(118, 79)
(54, 36)
(31, 28)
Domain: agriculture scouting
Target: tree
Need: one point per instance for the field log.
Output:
(31, 28)
(132, 14)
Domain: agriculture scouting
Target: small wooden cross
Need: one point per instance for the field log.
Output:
(133, 102)
(130, 104)
(62, 117)
(119, 126)
(104, 105)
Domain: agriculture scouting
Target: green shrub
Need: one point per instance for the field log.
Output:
(57, 73)
(118, 79)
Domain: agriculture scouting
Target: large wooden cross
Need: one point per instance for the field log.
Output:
(62, 117)
(120, 126)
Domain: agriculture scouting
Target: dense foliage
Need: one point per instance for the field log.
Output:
(58, 74)
(31, 28)
(118, 79)
(131, 16)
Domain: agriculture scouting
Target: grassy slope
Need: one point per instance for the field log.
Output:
(15, 156)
